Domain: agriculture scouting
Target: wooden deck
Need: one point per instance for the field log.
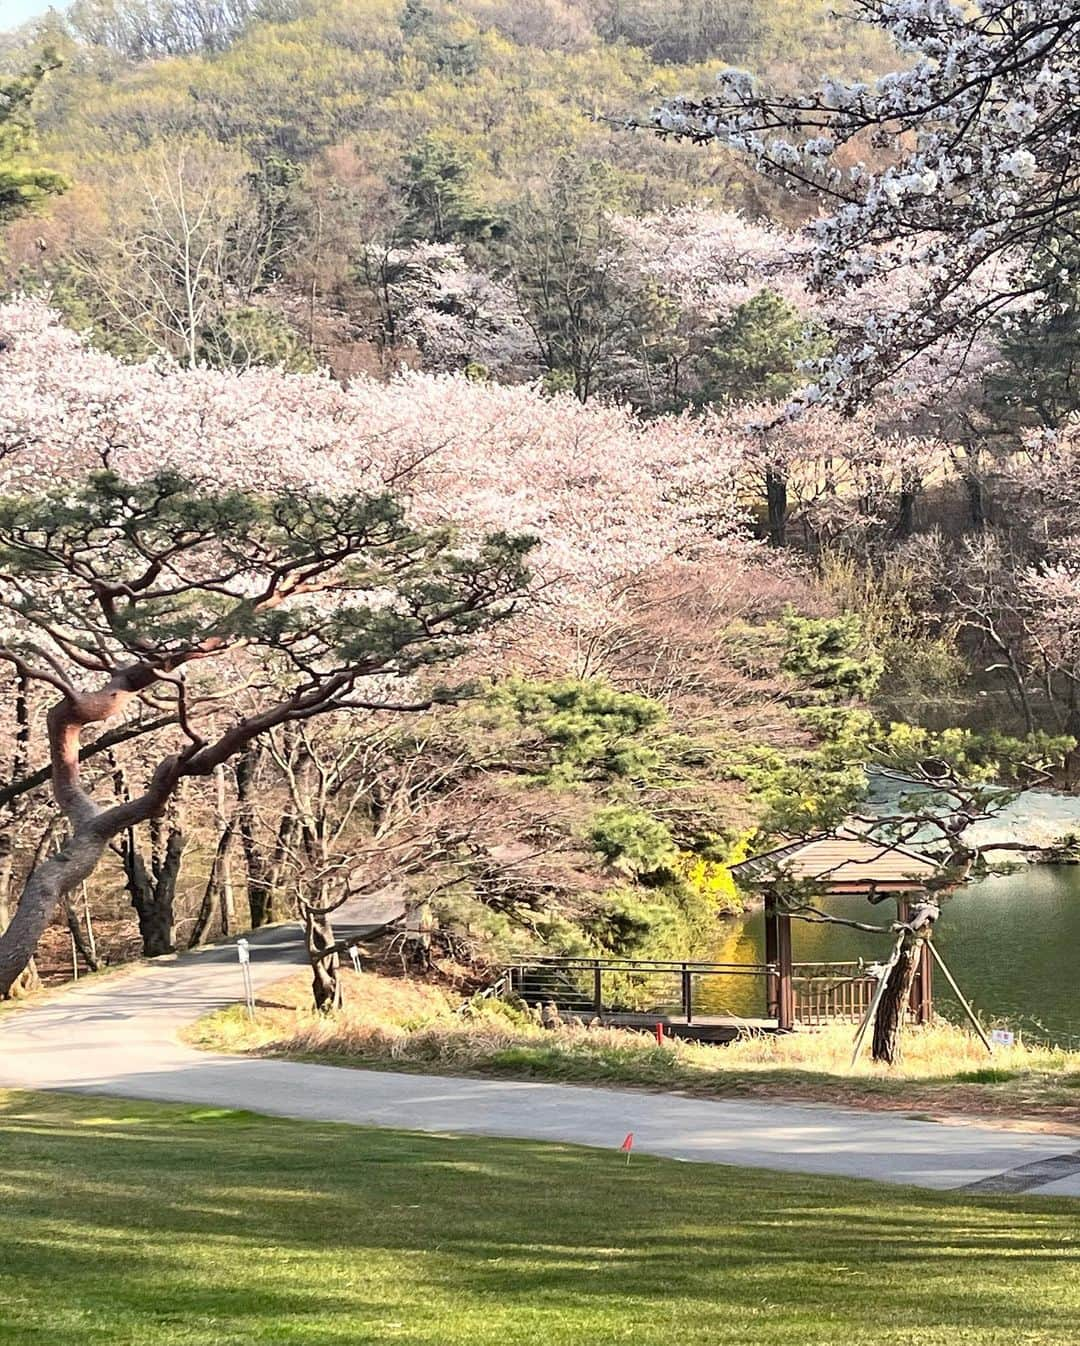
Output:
(601, 990)
(700, 1028)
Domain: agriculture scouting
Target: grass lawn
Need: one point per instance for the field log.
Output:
(144, 1224)
(391, 1023)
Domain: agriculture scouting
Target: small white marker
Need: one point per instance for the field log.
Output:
(243, 953)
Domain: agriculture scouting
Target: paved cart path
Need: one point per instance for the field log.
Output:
(118, 1036)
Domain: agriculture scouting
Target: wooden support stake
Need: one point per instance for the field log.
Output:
(879, 991)
(925, 983)
(960, 996)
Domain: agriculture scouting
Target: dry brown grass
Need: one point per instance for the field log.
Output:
(392, 1023)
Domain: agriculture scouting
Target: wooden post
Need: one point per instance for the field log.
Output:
(925, 983)
(687, 994)
(598, 989)
(972, 1017)
(772, 982)
(785, 1005)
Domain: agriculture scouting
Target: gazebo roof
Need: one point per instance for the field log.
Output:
(842, 864)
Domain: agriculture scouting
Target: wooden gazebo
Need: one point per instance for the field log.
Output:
(833, 864)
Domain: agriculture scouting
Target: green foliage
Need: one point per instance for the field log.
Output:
(91, 555)
(615, 756)
(584, 729)
(990, 759)
(560, 253)
(628, 922)
(754, 352)
(439, 195)
(898, 607)
(23, 183)
(830, 656)
(1038, 380)
(810, 790)
(632, 841)
(241, 337)
(276, 187)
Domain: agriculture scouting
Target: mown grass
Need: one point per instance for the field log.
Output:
(130, 1224)
(397, 1024)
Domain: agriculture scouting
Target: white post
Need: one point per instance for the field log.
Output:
(243, 953)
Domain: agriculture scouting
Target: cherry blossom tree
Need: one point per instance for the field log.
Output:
(607, 493)
(456, 314)
(977, 167)
(1044, 486)
(710, 261)
(229, 552)
(828, 479)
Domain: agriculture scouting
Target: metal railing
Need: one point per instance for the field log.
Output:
(822, 992)
(620, 985)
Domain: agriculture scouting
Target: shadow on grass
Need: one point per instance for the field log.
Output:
(134, 1222)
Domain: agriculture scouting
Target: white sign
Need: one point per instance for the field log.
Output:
(243, 951)
(1002, 1037)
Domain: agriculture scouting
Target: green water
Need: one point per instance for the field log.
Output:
(1012, 942)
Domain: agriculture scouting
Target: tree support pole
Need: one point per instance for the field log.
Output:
(960, 996)
(868, 1017)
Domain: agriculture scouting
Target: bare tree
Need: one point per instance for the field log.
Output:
(178, 253)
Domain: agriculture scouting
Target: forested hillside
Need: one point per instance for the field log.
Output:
(326, 160)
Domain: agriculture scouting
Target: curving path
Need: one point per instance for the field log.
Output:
(118, 1036)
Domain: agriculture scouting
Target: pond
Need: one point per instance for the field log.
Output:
(1011, 941)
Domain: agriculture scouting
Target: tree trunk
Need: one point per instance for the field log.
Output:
(79, 937)
(1071, 765)
(417, 943)
(218, 893)
(214, 894)
(776, 501)
(261, 870)
(29, 980)
(325, 968)
(226, 827)
(151, 884)
(889, 1020)
(46, 886)
(976, 501)
(910, 487)
(893, 1008)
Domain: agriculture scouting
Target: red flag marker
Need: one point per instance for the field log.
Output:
(628, 1144)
